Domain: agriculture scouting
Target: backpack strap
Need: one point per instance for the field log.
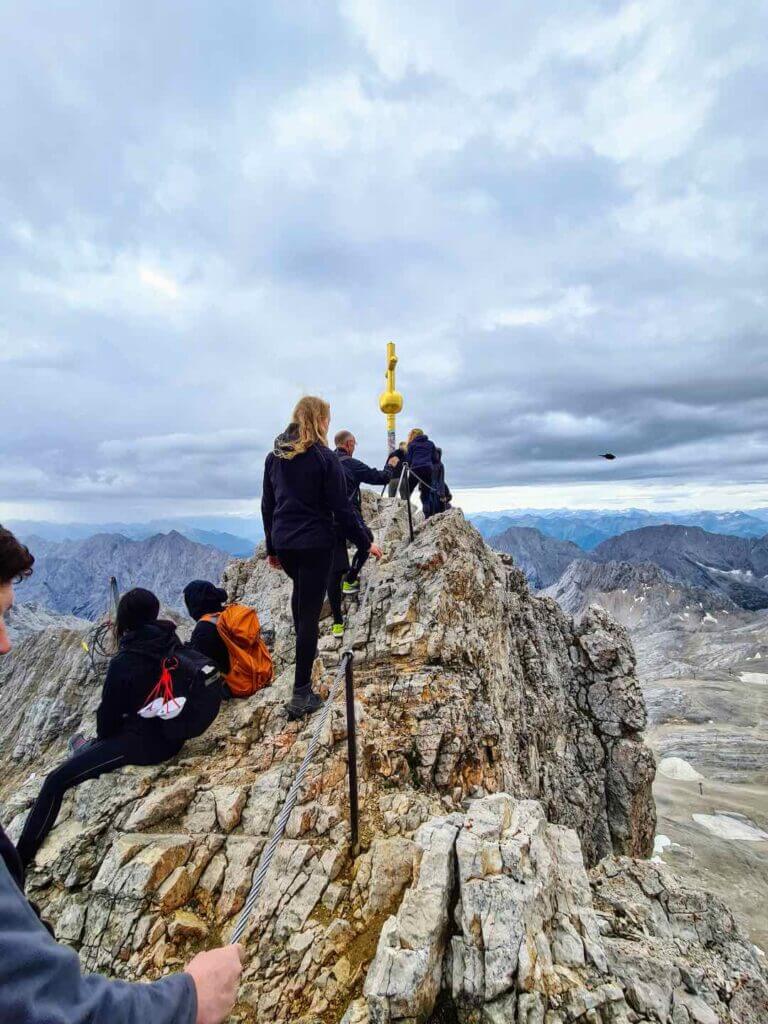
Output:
(211, 617)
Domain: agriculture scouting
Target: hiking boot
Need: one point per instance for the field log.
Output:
(350, 588)
(337, 629)
(302, 704)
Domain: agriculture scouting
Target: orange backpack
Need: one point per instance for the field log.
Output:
(250, 663)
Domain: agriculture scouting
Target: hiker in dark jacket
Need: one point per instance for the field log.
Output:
(421, 456)
(204, 598)
(304, 500)
(41, 979)
(343, 577)
(122, 735)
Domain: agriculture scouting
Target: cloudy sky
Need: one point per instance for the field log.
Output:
(557, 210)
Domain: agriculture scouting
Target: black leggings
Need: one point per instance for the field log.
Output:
(97, 759)
(308, 568)
(424, 483)
(337, 576)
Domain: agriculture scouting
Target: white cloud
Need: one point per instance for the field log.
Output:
(158, 282)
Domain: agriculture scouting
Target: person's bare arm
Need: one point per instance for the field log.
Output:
(216, 975)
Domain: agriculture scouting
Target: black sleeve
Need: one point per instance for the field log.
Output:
(363, 474)
(112, 709)
(268, 504)
(337, 499)
(207, 639)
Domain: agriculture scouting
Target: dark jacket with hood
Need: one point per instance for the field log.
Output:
(203, 598)
(421, 453)
(304, 498)
(131, 675)
(41, 979)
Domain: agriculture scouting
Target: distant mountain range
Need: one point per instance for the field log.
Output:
(72, 577)
(590, 527)
(237, 535)
(736, 567)
(733, 568)
(542, 559)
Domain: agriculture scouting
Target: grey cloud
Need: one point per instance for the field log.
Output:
(204, 215)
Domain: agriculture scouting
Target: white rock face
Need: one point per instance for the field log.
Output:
(678, 768)
(728, 827)
(524, 934)
(500, 752)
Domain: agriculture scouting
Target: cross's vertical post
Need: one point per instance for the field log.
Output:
(390, 400)
(354, 812)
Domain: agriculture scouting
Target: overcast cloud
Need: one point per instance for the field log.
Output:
(557, 210)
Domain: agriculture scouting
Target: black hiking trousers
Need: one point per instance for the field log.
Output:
(337, 576)
(422, 478)
(308, 569)
(97, 759)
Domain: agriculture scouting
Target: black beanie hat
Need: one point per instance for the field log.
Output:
(136, 608)
(204, 598)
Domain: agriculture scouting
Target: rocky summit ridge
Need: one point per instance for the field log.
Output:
(506, 804)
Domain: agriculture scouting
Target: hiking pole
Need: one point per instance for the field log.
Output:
(354, 813)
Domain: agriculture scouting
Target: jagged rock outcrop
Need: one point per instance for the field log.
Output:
(503, 924)
(474, 699)
(470, 685)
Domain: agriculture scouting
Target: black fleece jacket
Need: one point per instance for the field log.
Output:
(304, 498)
(358, 472)
(132, 674)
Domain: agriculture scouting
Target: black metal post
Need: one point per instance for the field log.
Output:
(354, 812)
(410, 510)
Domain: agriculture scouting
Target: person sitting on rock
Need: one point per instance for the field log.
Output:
(230, 635)
(422, 458)
(343, 577)
(41, 979)
(304, 501)
(204, 598)
(122, 736)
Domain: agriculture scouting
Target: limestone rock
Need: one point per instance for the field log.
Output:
(500, 755)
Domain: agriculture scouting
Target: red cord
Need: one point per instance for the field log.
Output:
(164, 685)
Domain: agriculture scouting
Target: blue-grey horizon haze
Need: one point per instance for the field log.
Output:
(557, 211)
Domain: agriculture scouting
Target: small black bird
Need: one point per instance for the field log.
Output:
(608, 455)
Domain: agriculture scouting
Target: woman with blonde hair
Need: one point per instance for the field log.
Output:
(304, 499)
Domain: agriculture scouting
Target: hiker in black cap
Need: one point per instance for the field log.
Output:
(304, 501)
(122, 736)
(205, 598)
(41, 979)
(343, 577)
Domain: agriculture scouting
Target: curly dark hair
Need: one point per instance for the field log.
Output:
(16, 560)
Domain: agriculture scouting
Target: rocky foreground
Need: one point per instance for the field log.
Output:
(505, 798)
